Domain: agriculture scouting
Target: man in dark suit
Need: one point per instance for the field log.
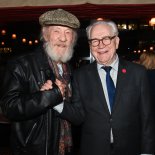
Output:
(117, 121)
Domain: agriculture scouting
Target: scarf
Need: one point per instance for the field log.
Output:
(65, 140)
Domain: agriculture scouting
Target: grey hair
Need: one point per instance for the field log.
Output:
(74, 32)
(104, 22)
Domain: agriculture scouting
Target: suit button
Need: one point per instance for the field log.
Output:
(110, 119)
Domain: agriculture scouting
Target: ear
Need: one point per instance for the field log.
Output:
(117, 42)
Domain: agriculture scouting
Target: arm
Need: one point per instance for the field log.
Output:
(74, 111)
(147, 117)
(17, 101)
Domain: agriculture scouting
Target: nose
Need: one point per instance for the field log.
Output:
(62, 37)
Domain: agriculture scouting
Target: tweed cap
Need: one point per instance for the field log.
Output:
(59, 17)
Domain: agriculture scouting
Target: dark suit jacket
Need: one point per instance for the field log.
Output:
(151, 77)
(131, 118)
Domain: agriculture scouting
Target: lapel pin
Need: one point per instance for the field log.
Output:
(123, 70)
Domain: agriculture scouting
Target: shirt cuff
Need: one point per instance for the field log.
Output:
(59, 109)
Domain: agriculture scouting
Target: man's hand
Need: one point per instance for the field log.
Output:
(61, 86)
(48, 85)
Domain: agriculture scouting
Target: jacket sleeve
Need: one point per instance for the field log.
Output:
(74, 111)
(21, 100)
(147, 117)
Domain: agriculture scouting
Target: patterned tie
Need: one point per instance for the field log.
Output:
(110, 85)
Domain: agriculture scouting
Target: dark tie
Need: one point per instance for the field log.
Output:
(110, 85)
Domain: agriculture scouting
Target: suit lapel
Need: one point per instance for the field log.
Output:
(97, 87)
(122, 74)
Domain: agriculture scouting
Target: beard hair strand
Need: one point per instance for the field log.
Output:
(68, 53)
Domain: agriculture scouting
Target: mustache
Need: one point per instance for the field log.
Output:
(60, 44)
(55, 56)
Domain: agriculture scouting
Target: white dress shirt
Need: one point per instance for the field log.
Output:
(113, 74)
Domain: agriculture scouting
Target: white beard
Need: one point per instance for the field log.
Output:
(56, 57)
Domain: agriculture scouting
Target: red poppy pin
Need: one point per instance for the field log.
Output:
(124, 70)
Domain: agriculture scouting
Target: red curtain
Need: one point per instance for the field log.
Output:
(84, 11)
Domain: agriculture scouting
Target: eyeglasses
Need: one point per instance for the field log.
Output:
(106, 41)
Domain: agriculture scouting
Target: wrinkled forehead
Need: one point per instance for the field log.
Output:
(101, 30)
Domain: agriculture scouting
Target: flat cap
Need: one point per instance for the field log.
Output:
(59, 17)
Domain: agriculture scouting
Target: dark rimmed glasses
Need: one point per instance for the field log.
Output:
(106, 41)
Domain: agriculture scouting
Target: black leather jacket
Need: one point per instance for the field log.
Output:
(34, 123)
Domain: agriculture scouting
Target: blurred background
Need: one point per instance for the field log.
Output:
(20, 32)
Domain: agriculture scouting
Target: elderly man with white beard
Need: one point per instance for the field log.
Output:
(28, 104)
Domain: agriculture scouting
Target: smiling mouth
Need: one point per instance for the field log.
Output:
(102, 52)
(60, 45)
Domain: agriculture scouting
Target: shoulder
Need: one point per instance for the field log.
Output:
(25, 59)
(85, 72)
(134, 67)
(85, 68)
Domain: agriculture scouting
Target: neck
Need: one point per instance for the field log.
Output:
(111, 61)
